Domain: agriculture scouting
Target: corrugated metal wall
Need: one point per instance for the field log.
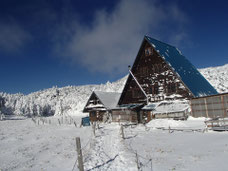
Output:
(210, 106)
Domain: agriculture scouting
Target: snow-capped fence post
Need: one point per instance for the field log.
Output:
(122, 131)
(169, 130)
(79, 151)
(205, 129)
(42, 120)
(151, 164)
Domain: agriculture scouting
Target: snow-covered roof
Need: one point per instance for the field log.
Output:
(108, 99)
(129, 106)
(167, 107)
(190, 76)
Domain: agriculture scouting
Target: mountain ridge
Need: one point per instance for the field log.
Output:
(70, 100)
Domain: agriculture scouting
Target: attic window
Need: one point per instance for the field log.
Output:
(148, 51)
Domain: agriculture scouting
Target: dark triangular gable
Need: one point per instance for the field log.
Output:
(93, 96)
(190, 76)
(169, 66)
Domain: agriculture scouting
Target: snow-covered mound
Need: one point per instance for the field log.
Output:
(71, 99)
(190, 123)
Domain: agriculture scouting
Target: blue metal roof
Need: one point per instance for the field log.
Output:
(190, 76)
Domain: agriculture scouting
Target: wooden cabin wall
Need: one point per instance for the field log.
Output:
(124, 115)
(96, 116)
(155, 76)
(146, 116)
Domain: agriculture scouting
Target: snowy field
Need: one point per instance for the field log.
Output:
(25, 145)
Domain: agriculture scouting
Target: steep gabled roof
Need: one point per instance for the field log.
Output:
(108, 99)
(190, 76)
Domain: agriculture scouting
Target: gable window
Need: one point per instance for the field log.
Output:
(156, 89)
(148, 51)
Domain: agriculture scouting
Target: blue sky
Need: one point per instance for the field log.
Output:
(46, 43)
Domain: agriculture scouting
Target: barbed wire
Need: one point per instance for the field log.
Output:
(75, 164)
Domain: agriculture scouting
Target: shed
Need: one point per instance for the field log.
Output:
(100, 105)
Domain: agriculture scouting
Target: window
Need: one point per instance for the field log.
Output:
(173, 88)
(148, 51)
(151, 90)
(156, 89)
(156, 69)
(95, 101)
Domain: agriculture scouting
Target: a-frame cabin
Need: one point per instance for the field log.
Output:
(164, 74)
(100, 105)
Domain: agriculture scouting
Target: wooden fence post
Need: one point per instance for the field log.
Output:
(137, 161)
(122, 131)
(94, 129)
(79, 151)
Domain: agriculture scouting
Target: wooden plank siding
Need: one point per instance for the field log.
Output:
(124, 115)
(96, 116)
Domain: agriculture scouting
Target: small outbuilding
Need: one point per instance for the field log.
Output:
(100, 105)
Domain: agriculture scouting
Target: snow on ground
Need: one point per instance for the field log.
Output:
(50, 146)
(191, 123)
(29, 146)
(180, 150)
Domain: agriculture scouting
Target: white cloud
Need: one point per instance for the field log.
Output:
(111, 42)
(12, 37)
